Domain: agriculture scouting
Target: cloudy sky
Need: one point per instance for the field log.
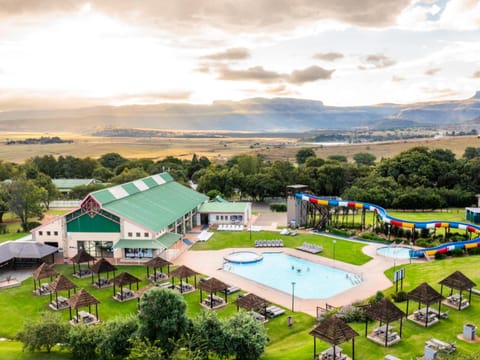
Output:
(62, 53)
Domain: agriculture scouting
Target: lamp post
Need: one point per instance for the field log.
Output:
(293, 296)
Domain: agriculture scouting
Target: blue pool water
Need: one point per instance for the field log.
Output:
(397, 252)
(312, 280)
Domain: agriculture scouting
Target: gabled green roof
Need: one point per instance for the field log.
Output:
(223, 207)
(164, 241)
(153, 202)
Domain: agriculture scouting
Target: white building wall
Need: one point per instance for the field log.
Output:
(51, 232)
(131, 230)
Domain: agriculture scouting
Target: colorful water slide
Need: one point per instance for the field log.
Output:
(383, 215)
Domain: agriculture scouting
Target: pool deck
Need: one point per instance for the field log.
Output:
(211, 263)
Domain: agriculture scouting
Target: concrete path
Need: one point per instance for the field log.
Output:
(211, 263)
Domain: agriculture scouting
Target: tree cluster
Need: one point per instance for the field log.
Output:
(160, 331)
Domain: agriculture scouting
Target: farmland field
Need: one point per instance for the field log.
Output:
(215, 148)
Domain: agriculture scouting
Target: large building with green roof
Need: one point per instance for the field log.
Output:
(135, 220)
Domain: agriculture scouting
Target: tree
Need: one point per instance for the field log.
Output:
(144, 349)
(338, 158)
(303, 154)
(128, 175)
(82, 341)
(27, 200)
(43, 334)
(207, 329)
(114, 343)
(364, 159)
(112, 160)
(79, 192)
(162, 316)
(102, 173)
(5, 196)
(245, 336)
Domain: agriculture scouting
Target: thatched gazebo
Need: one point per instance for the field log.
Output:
(82, 299)
(155, 263)
(61, 283)
(100, 267)
(251, 302)
(44, 271)
(385, 312)
(139, 293)
(458, 281)
(183, 272)
(334, 331)
(425, 294)
(81, 257)
(122, 280)
(213, 285)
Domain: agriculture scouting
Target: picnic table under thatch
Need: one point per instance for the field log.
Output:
(184, 272)
(425, 294)
(100, 267)
(44, 271)
(252, 302)
(61, 283)
(334, 331)
(213, 285)
(385, 312)
(123, 280)
(81, 257)
(457, 281)
(155, 263)
(82, 299)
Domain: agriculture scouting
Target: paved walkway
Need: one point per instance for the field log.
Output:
(211, 263)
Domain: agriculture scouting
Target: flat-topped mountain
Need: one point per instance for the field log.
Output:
(256, 114)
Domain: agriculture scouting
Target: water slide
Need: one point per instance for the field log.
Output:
(383, 215)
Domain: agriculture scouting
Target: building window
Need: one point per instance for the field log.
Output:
(137, 234)
(48, 233)
(131, 253)
(55, 233)
(145, 235)
(40, 233)
(97, 248)
(218, 217)
(130, 234)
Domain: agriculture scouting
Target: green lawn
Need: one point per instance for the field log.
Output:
(448, 215)
(346, 251)
(19, 304)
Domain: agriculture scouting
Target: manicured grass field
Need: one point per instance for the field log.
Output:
(19, 305)
(346, 251)
(447, 214)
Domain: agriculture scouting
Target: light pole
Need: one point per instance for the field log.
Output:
(293, 296)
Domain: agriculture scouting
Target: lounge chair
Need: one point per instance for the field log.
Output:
(274, 311)
(441, 345)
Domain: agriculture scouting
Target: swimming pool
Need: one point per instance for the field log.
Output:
(312, 280)
(397, 252)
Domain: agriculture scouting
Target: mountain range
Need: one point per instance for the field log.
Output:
(256, 114)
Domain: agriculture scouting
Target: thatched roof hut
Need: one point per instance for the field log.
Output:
(385, 312)
(251, 302)
(425, 294)
(212, 285)
(155, 263)
(183, 272)
(122, 280)
(42, 272)
(102, 266)
(458, 281)
(81, 299)
(334, 331)
(81, 257)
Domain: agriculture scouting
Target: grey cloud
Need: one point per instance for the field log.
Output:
(259, 74)
(432, 71)
(476, 74)
(328, 56)
(309, 74)
(256, 73)
(245, 15)
(229, 54)
(376, 61)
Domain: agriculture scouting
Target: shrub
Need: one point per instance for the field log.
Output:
(3, 229)
(456, 252)
(351, 313)
(440, 256)
(474, 251)
(278, 207)
(400, 296)
(378, 296)
(32, 225)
